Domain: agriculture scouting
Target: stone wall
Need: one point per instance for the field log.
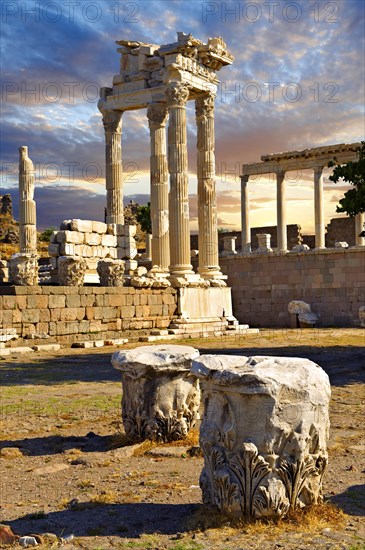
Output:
(73, 314)
(332, 282)
(293, 234)
(341, 229)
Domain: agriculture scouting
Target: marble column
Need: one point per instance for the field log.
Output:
(177, 95)
(319, 207)
(27, 206)
(245, 216)
(207, 200)
(282, 244)
(112, 121)
(157, 114)
(359, 228)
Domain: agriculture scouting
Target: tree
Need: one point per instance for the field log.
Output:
(46, 235)
(144, 217)
(353, 172)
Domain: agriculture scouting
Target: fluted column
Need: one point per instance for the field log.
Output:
(207, 200)
(245, 216)
(157, 114)
(319, 208)
(112, 121)
(282, 244)
(27, 206)
(359, 228)
(180, 266)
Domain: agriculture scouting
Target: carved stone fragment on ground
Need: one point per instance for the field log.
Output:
(263, 434)
(160, 396)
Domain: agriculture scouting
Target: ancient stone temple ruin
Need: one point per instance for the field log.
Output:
(162, 79)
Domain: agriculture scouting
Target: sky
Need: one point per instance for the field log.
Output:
(297, 81)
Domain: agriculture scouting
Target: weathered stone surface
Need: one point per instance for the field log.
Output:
(160, 397)
(23, 269)
(307, 319)
(362, 316)
(141, 282)
(84, 226)
(297, 306)
(263, 433)
(71, 270)
(111, 272)
(27, 206)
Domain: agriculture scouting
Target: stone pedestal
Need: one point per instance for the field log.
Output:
(23, 269)
(263, 434)
(160, 397)
(71, 270)
(264, 240)
(229, 246)
(111, 272)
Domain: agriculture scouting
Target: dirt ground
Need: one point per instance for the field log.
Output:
(66, 470)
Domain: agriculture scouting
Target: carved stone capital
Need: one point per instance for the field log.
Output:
(71, 271)
(177, 94)
(112, 121)
(204, 106)
(23, 270)
(157, 114)
(160, 397)
(111, 272)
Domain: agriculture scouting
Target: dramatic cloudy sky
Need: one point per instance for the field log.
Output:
(297, 81)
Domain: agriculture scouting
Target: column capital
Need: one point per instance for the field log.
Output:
(244, 179)
(318, 169)
(157, 114)
(280, 175)
(204, 106)
(112, 121)
(177, 94)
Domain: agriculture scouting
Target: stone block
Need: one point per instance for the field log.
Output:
(16, 350)
(84, 226)
(54, 249)
(73, 300)
(47, 347)
(99, 227)
(92, 239)
(56, 301)
(67, 249)
(109, 240)
(72, 237)
(30, 316)
(128, 311)
(277, 412)
(44, 315)
(158, 378)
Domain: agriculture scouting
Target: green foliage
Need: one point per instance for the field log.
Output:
(143, 217)
(353, 172)
(46, 235)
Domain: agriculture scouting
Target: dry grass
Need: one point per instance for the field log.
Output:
(311, 519)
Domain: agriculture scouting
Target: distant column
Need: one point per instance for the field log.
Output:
(207, 199)
(245, 216)
(319, 207)
(281, 212)
(177, 95)
(359, 228)
(112, 121)
(157, 114)
(27, 206)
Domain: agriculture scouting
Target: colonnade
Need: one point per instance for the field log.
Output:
(170, 207)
